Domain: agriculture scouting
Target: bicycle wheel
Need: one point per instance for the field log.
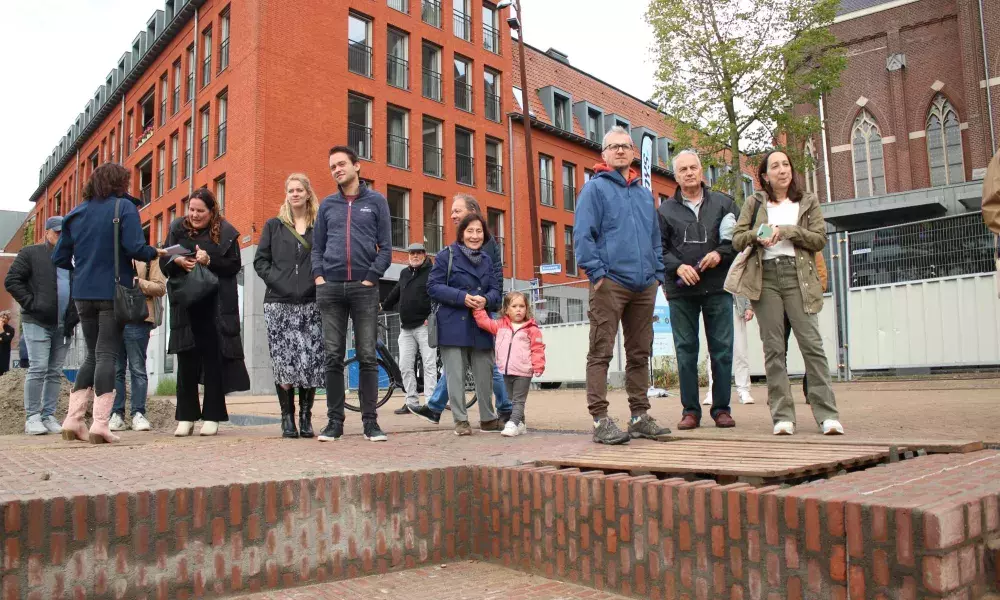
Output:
(386, 384)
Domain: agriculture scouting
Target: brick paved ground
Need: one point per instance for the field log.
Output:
(467, 580)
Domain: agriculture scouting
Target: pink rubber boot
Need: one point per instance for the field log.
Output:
(75, 425)
(99, 431)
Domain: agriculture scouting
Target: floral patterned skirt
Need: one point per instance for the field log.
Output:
(295, 337)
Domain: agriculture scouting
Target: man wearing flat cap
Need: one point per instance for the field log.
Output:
(48, 317)
(410, 294)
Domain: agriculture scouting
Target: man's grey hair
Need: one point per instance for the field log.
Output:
(471, 204)
(617, 129)
(688, 152)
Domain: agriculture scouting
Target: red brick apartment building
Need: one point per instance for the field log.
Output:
(237, 94)
(908, 133)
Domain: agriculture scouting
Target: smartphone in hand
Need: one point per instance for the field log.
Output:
(765, 231)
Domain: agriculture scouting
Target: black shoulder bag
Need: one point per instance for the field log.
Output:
(432, 322)
(130, 302)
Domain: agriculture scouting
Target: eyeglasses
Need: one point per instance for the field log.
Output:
(618, 147)
(695, 233)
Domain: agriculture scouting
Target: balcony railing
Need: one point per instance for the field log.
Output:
(159, 183)
(190, 90)
(494, 177)
(492, 107)
(145, 194)
(432, 161)
(431, 85)
(220, 140)
(400, 232)
(548, 254)
(163, 112)
(203, 153)
(206, 70)
(463, 25)
(545, 189)
(359, 58)
(147, 133)
(500, 243)
(430, 12)
(177, 99)
(569, 198)
(464, 169)
(402, 6)
(223, 55)
(463, 96)
(188, 163)
(491, 39)
(433, 234)
(397, 72)
(359, 137)
(173, 173)
(398, 151)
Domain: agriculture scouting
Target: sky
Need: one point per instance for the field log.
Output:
(60, 51)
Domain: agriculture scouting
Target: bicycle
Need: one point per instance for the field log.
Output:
(390, 377)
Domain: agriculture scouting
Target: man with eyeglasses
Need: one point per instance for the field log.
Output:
(697, 229)
(617, 242)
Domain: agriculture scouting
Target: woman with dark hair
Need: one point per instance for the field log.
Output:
(86, 248)
(205, 335)
(784, 229)
(461, 281)
(6, 337)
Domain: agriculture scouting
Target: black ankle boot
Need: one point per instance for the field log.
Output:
(306, 398)
(286, 400)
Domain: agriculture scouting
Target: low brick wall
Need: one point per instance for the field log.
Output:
(212, 542)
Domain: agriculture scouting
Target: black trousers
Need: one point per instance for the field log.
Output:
(103, 335)
(201, 365)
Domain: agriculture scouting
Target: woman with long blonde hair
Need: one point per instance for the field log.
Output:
(294, 328)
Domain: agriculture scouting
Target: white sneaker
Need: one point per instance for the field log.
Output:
(117, 423)
(521, 429)
(140, 423)
(832, 427)
(708, 399)
(184, 428)
(51, 425)
(746, 398)
(209, 428)
(510, 429)
(784, 428)
(34, 426)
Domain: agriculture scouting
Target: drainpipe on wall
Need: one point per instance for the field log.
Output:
(121, 133)
(986, 67)
(513, 218)
(194, 102)
(826, 155)
(77, 176)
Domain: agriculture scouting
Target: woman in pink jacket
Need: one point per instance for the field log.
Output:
(520, 353)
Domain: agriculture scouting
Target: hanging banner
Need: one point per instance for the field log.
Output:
(647, 161)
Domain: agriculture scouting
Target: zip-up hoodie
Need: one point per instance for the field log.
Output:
(617, 233)
(352, 239)
(521, 352)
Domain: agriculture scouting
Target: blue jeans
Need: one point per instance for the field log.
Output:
(46, 354)
(135, 341)
(439, 398)
(717, 311)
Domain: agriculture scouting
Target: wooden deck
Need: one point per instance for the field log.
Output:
(753, 462)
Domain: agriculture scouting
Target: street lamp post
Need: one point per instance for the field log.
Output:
(515, 23)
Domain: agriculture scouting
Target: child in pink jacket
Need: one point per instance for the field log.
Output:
(520, 353)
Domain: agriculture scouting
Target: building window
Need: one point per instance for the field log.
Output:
(174, 146)
(398, 150)
(220, 193)
(171, 215)
(206, 61)
(224, 40)
(430, 56)
(463, 20)
(562, 118)
(809, 150)
(148, 107)
(222, 106)
(359, 120)
(176, 103)
(574, 310)
(491, 28)
(114, 144)
(402, 6)
(399, 204)
(748, 185)
(159, 229)
(164, 92)
(398, 64)
(359, 45)
(145, 171)
(432, 140)
(492, 95)
(545, 177)
(494, 218)
(548, 233)
(161, 165)
(944, 143)
(433, 231)
(190, 76)
(58, 203)
(866, 149)
(463, 85)
(494, 165)
(464, 163)
(430, 12)
(203, 149)
(587, 175)
(188, 148)
(568, 253)
(569, 186)
(594, 125)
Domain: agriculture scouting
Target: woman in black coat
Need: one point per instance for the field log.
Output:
(6, 337)
(205, 336)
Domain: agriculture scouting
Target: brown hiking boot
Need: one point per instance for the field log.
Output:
(463, 428)
(724, 420)
(689, 422)
(491, 426)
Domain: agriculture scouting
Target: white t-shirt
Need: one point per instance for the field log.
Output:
(784, 213)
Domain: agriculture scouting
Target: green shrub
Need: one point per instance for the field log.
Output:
(166, 386)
